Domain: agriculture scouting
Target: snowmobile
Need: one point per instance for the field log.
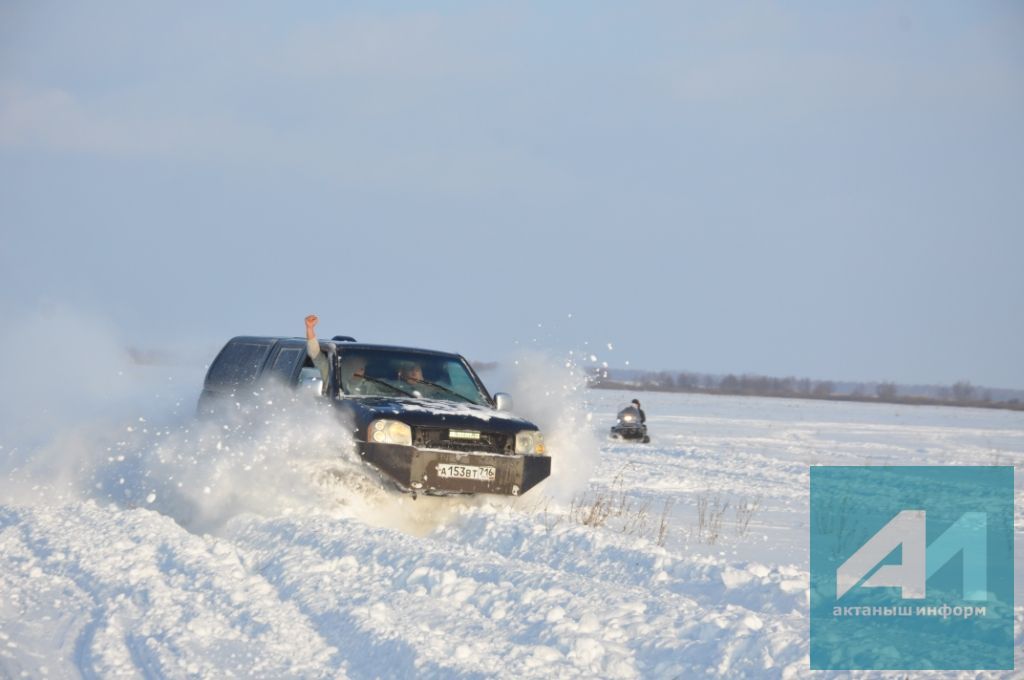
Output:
(628, 425)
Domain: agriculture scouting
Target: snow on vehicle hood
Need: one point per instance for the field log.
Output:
(430, 411)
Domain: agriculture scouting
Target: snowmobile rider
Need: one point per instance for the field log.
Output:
(643, 416)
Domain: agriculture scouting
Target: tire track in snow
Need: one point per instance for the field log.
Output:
(495, 613)
(154, 598)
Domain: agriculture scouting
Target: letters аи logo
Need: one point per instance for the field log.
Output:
(907, 531)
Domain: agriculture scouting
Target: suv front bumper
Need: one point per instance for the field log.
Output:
(435, 471)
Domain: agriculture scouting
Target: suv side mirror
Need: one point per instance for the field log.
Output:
(502, 401)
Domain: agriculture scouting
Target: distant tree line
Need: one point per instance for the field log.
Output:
(962, 393)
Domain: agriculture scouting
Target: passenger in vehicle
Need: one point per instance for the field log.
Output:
(353, 375)
(313, 348)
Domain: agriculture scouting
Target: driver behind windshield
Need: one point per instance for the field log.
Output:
(411, 373)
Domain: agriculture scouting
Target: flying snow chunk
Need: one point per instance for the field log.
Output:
(610, 346)
(593, 357)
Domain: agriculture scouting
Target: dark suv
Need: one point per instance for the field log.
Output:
(422, 417)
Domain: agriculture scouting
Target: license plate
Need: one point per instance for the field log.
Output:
(464, 434)
(483, 473)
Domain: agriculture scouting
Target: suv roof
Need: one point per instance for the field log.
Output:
(344, 345)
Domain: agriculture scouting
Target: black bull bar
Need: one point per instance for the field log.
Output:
(435, 471)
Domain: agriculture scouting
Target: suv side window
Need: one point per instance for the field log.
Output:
(285, 364)
(239, 363)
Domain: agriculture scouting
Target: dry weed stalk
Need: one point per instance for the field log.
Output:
(710, 511)
(663, 521)
(745, 510)
(614, 508)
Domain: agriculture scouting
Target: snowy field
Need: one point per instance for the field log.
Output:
(154, 546)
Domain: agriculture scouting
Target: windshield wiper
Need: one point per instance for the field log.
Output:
(387, 384)
(447, 389)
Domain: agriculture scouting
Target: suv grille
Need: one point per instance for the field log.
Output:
(439, 438)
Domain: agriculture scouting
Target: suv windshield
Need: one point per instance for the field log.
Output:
(385, 373)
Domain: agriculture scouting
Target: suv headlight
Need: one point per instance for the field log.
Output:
(390, 432)
(530, 442)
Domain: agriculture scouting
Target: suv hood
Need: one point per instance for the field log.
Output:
(431, 413)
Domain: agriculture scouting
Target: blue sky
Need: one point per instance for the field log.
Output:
(823, 191)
